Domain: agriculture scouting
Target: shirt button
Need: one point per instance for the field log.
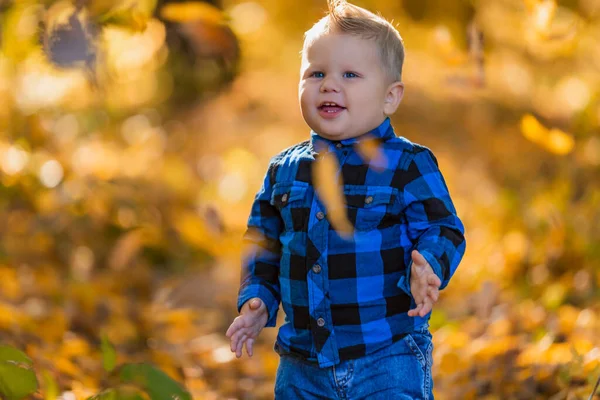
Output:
(321, 322)
(368, 200)
(339, 145)
(316, 268)
(320, 215)
(284, 197)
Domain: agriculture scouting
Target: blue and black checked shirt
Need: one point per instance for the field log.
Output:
(346, 297)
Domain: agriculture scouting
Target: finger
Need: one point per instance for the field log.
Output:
(418, 258)
(255, 304)
(433, 279)
(240, 347)
(236, 338)
(426, 308)
(230, 330)
(415, 311)
(249, 347)
(433, 294)
(237, 324)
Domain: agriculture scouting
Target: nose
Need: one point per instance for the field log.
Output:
(329, 84)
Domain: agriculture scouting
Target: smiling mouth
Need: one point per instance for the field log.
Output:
(330, 107)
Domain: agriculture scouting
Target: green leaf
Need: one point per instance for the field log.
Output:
(9, 353)
(17, 378)
(123, 393)
(109, 355)
(155, 382)
(51, 386)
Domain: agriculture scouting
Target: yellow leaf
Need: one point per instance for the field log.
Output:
(9, 283)
(370, 151)
(121, 330)
(65, 366)
(52, 328)
(97, 8)
(181, 316)
(581, 345)
(532, 129)
(531, 4)
(125, 249)
(10, 316)
(191, 11)
(134, 20)
(131, 14)
(567, 318)
(74, 346)
(553, 140)
(591, 361)
(329, 189)
(18, 30)
(543, 13)
(560, 142)
(554, 295)
(515, 245)
(500, 328)
(558, 353)
(192, 228)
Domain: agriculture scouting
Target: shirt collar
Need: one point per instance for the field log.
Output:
(384, 131)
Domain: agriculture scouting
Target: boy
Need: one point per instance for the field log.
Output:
(357, 305)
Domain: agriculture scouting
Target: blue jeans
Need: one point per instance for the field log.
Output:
(400, 371)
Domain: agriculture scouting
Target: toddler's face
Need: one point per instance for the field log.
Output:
(343, 87)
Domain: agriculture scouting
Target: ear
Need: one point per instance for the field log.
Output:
(393, 97)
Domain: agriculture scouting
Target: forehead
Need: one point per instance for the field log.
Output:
(336, 47)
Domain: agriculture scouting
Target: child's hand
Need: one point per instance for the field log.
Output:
(424, 285)
(246, 327)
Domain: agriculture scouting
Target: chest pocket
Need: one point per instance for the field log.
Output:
(291, 201)
(369, 206)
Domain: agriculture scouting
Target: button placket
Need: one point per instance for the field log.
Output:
(318, 286)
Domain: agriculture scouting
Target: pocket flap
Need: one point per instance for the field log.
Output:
(285, 193)
(369, 196)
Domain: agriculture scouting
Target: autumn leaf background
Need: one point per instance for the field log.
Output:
(133, 136)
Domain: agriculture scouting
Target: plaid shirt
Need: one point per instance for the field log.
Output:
(346, 297)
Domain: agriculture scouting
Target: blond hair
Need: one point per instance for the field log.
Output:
(347, 18)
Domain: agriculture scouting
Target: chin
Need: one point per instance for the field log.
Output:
(334, 133)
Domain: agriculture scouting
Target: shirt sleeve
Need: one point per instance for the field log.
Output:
(262, 253)
(432, 224)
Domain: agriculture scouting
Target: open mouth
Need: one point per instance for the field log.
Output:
(330, 107)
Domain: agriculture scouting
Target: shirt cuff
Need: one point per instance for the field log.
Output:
(404, 281)
(256, 290)
(435, 264)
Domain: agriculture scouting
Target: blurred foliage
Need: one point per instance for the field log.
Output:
(134, 134)
(17, 379)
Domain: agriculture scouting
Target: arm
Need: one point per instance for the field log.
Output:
(433, 226)
(262, 253)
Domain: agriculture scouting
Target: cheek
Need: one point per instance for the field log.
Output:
(306, 98)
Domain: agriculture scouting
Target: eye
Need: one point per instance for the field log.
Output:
(350, 75)
(317, 74)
